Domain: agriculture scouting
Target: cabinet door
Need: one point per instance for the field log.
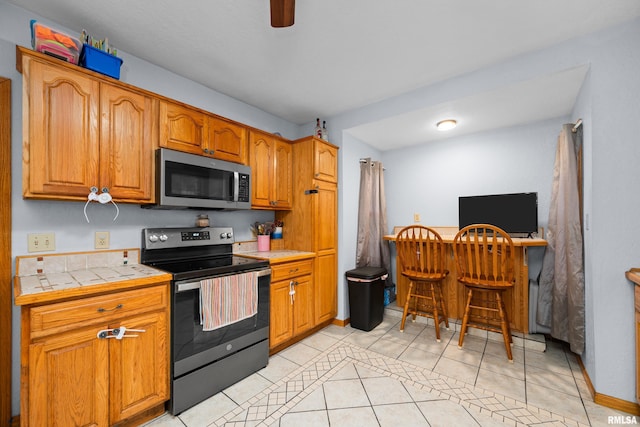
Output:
(61, 132)
(68, 380)
(261, 151)
(126, 144)
(326, 217)
(325, 287)
(283, 176)
(280, 314)
(139, 365)
(182, 128)
(303, 318)
(228, 140)
(325, 161)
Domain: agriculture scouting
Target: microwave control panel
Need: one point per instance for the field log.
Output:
(243, 188)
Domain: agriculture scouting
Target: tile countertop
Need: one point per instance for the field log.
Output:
(47, 278)
(278, 255)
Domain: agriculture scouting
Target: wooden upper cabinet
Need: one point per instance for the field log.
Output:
(183, 128)
(228, 140)
(61, 152)
(271, 164)
(325, 164)
(190, 130)
(80, 133)
(126, 143)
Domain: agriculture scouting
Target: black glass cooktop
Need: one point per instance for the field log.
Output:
(203, 267)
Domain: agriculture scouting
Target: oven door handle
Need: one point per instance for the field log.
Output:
(189, 286)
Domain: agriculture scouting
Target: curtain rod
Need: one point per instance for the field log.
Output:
(362, 160)
(577, 125)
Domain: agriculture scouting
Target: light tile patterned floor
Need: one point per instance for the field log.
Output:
(347, 377)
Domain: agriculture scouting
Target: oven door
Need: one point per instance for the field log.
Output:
(192, 347)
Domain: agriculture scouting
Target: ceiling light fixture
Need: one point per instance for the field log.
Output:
(446, 124)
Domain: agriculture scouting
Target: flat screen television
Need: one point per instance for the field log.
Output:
(515, 213)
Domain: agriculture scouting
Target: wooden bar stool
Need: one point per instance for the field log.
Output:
(485, 261)
(421, 256)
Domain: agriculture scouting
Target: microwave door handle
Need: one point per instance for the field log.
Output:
(236, 186)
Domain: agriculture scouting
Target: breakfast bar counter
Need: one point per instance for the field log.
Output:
(516, 299)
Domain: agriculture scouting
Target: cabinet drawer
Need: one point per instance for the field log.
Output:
(62, 316)
(291, 269)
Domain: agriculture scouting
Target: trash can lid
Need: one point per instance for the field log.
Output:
(367, 272)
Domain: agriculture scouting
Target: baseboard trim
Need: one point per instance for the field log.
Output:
(342, 323)
(605, 400)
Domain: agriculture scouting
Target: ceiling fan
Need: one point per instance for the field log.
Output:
(282, 13)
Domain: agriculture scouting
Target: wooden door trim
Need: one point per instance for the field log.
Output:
(5, 250)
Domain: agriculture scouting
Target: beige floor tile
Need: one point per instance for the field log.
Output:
(419, 357)
(247, 388)
(391, 346)
(278, 368)
(353, 417)
(208, 411)
(502, 384)
(400, 414)
(501, 365)
(299, 353)
(362, 339)
(345, 394)
(306, 419)
(557, 402)
(384, 390)
(312, 402)
(457, 370)
(445, 413)
(165, 420)
(464, 355)
(471, 342)
(320, 341)
(559, 382)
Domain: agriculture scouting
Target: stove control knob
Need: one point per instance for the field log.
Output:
(223, 235)
(163, 238)
(229, 235)
(153, 238)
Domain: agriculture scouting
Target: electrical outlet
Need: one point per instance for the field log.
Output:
(41, 242)
(416, 217)
(102, 240)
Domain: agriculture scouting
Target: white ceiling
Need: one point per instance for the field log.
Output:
(341, 55)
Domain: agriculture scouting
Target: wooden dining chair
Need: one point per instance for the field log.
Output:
(421, 254)
(485, 262)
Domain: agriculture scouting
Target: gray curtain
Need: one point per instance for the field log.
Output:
(561, 296)
(372, 250)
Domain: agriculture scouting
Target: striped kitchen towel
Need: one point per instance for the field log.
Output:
(228, 299)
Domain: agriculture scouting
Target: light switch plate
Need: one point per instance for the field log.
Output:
(41, 242)
(102, 240)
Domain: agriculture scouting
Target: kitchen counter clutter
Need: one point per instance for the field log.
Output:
(44, 278)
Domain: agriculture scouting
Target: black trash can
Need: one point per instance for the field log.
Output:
(366, 296)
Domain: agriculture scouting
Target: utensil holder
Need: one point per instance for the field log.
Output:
(264, 243)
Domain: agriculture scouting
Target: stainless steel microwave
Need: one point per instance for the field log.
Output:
(186, 180)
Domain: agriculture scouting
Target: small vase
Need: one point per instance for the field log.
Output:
(277, 233)
(263, 243)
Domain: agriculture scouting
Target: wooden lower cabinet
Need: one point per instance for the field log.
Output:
(72, 376)
(292, 303)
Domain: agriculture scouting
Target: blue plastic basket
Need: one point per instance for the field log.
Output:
(100, 61)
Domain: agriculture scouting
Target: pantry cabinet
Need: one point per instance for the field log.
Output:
(312, 223)
(271, 164)
(81, 131)
(291, 301)
(77, 371)
(190, 130)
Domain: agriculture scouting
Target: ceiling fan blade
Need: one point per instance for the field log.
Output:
(282, 13)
